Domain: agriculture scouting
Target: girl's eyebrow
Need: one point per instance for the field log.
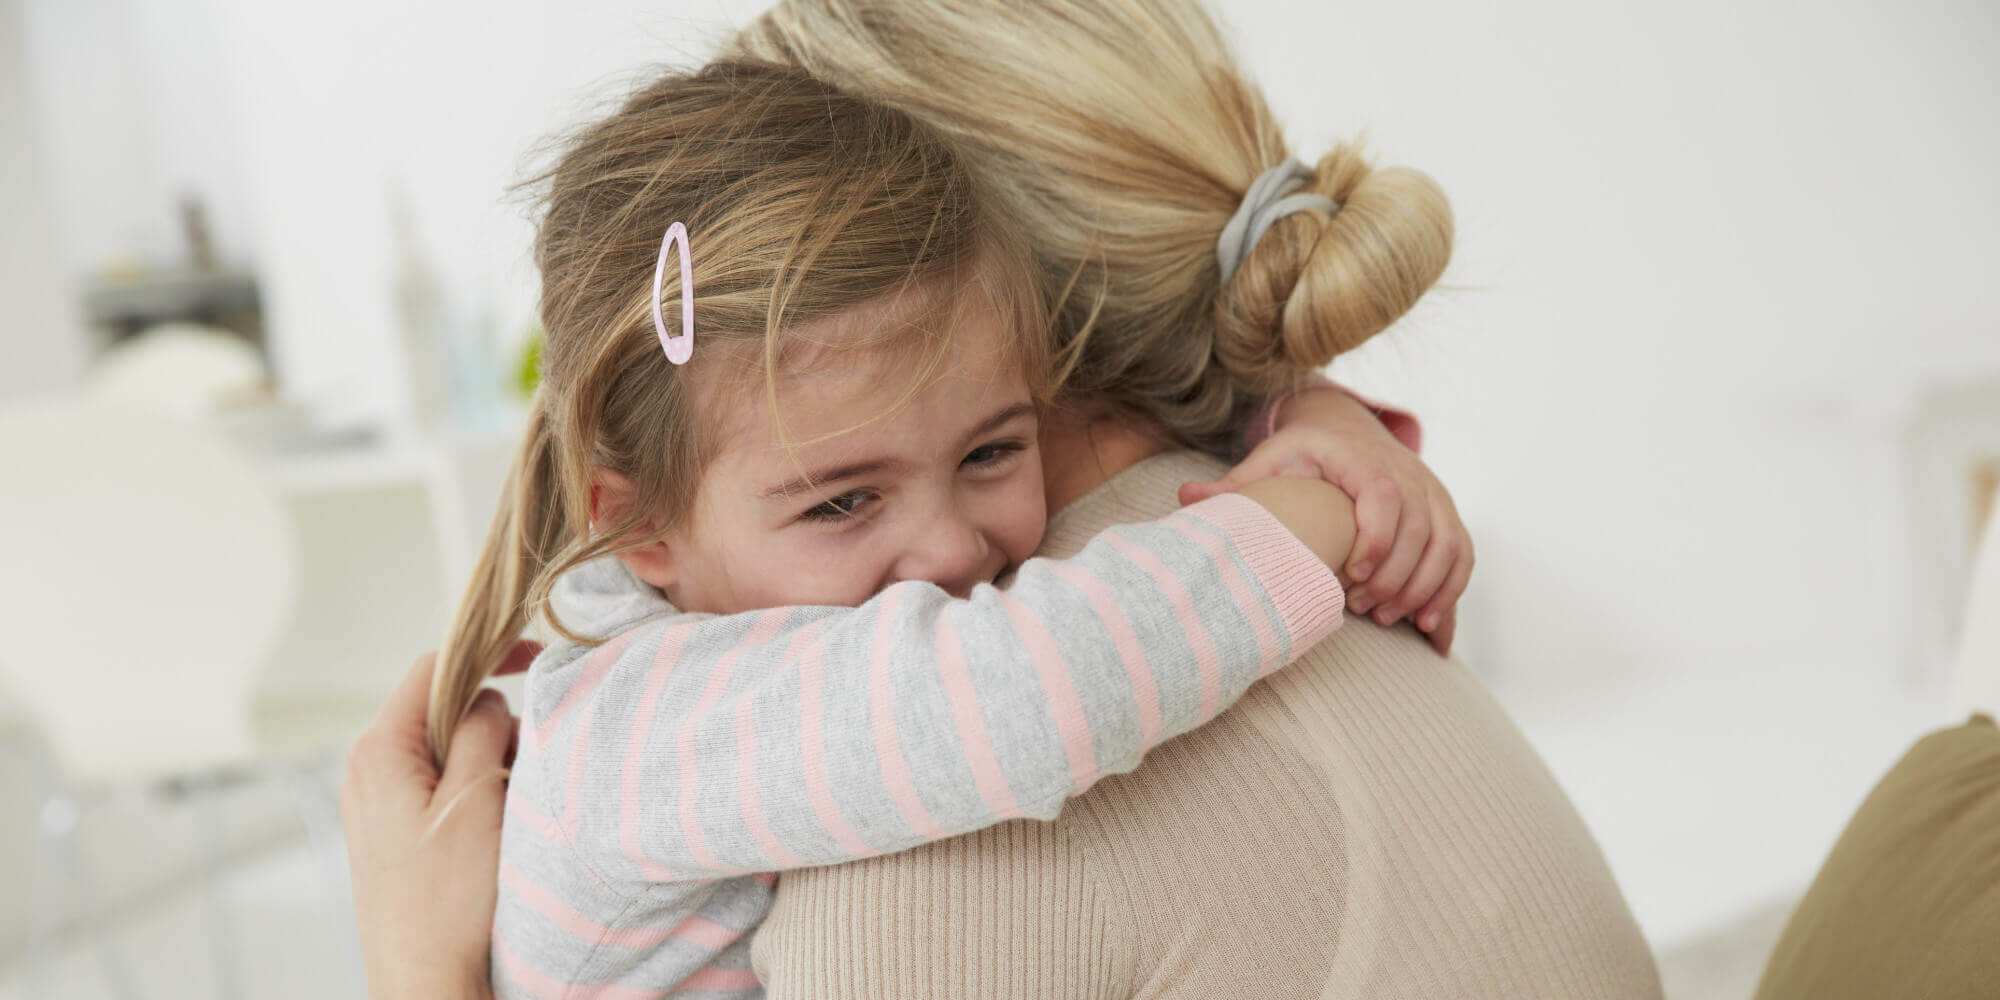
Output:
(995, 421)
(806, 482)
(794, 487)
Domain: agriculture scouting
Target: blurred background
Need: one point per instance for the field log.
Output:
(1714, 377)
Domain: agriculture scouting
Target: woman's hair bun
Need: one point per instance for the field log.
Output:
(1317, 286)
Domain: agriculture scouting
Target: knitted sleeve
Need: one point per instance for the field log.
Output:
(694, 746)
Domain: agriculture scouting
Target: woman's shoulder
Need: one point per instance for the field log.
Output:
(1143, 491)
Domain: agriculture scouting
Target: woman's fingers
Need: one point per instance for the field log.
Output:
(478, 748)
(410, 698)
(389, 758)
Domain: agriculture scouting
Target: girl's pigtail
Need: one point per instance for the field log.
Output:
(528, 530)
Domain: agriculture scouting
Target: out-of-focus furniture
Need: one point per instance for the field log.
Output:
(1976, 672)
(184, 369)
(1908, 902)
(149, 571)
(1950, 444)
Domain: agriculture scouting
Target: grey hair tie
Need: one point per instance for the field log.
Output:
(1272, 196)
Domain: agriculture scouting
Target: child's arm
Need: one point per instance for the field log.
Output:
(1413, 555)
(808, 736)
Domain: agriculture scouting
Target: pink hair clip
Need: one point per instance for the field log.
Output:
(679, 349)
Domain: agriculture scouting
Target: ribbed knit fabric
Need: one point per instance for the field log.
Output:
(1366, 823)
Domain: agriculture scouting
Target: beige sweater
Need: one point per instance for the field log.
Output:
(1366, 823)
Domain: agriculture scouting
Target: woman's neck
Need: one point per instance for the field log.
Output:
(1080, 452)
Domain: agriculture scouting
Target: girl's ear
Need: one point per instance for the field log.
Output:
(612, 495)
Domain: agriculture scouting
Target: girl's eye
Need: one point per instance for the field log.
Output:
(988, 454)
(839, 508)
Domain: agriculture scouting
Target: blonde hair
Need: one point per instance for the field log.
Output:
(1118, 137)
(801, 201)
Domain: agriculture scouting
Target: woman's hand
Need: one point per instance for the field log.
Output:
(424, 848)
(1411, 552)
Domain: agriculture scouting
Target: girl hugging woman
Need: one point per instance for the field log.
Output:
(770, 538)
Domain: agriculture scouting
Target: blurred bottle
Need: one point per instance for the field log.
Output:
(195, 229)
(421, 320)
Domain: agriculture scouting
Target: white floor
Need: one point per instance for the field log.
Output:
(289, 935)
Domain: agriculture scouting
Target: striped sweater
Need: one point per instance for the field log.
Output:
(665, 774)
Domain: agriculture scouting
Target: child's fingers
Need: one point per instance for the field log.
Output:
(1446, 631)
(1277, 456)
(1444, 604)
(1264, 461)
(1413, 533)
(1432, 569)
(1193, 493)
(1378, 510)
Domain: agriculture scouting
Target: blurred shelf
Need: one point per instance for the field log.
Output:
(180, 292)
(372, 466)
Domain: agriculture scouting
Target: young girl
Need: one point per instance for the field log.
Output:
(854, 423)
(1118, 138)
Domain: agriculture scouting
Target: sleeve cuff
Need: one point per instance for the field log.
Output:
(1263, 422)
(1304, 591)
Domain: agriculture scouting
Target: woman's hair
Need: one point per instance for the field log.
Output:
(1118, 137)
(800, 201)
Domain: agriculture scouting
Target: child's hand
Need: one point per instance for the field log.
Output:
(1411, 553)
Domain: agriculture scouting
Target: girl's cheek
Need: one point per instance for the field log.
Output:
(829, 571)
(1022, 516)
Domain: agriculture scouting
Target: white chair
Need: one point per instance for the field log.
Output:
(181, 368)
(146, 571)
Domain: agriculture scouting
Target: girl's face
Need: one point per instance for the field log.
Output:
(943, 483)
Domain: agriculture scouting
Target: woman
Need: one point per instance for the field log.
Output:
(1367, 823)
(1406, 840)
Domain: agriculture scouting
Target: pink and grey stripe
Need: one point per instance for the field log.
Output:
(669, 772)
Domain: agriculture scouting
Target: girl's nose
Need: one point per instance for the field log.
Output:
(948, 550)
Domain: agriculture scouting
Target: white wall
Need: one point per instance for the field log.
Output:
(299, 123)
(1709, 255)
(347, 106)
(40, 332)
(1706, 252)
